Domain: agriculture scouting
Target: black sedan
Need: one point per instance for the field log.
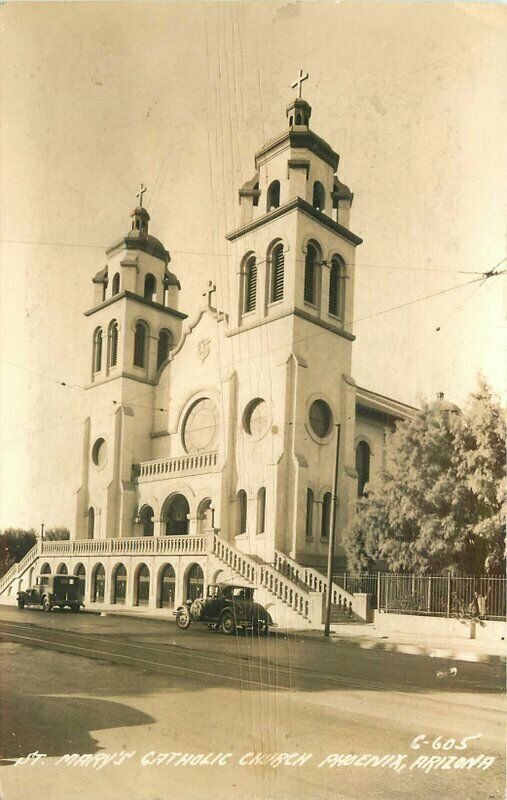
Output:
(226, 607)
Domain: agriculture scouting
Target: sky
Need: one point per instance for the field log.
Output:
(98, 97)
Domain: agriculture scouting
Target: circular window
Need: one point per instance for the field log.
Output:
(256, 419)
(200, 426)
(99, 452)
(320, 418)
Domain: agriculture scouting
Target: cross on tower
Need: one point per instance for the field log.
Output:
(299, 81)
(140, 194)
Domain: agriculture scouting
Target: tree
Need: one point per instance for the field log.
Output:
(438, 504)
(56, 534)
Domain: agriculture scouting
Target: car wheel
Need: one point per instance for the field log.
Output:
(75, 609)
(262, 629)
(46, 605)
(183, 618)
(227, 623)
(21, 603)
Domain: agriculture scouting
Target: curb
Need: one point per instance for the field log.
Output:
(430, 652)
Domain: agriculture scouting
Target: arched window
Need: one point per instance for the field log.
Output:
(273, 196)
(277, 272)
(115, 288)
(250, 284)
(98, 584)
(80, 572)
(337, 288)
(45, 569)
(311, 264)
(326, 515)
(363, 454)
(97, 350)
(261, 510)
(150, 287)
(113, 343)
(164, 345)
(146, 519)
(91, 522)
(140, 342)
(319, 196)
(62, 569)
(120, 584)
(167, 587)
(142, 586)
(309, 514)
(195, 582)
(242, 511)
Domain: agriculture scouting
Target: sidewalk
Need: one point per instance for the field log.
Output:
(367, 637)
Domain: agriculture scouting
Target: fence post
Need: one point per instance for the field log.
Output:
(448, 594)
(378, 591)
(429, 593)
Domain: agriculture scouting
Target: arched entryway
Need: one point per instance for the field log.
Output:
(194, 583)
(204, 516)
(142, 586)
(146, 520)
(45, 569)
(176, 515)
(80, 572)
(119, 585)
(98, 584)
(167, 590)
(62, 569)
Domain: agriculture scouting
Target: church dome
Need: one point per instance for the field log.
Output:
(138, 238)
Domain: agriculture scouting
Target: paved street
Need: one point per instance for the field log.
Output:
(271, 719)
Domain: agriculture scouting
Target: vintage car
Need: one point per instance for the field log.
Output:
(227, 607)
(52, 591)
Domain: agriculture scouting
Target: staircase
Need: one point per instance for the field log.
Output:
(344, 605)
(17, 570)
(290, 605)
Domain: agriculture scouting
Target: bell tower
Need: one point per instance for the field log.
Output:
(293, 308)
(133, 324)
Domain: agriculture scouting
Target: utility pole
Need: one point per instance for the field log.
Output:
(330, 554)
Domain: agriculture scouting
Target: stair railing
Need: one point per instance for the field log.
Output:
(313, 580)
(19, 567)
(264, 575)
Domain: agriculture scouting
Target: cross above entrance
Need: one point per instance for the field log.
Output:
(299, 81)
(140, 194)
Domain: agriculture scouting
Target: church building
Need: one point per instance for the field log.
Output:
(219, 435)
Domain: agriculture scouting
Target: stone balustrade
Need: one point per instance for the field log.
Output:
(191, 464)
(20, 567)
(313, 580)
(152, 545)
(263, 575)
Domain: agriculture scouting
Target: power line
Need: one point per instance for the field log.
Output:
(357, 264)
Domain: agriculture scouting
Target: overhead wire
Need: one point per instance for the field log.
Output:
(484, 277)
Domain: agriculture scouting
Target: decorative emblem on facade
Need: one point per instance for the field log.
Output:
(203, 349)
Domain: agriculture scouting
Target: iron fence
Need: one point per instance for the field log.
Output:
(443, 595)
(358, 584)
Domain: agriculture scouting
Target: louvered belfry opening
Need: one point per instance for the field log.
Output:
(310, 267)
(336, 288)
(277, 266)
(250, 284)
